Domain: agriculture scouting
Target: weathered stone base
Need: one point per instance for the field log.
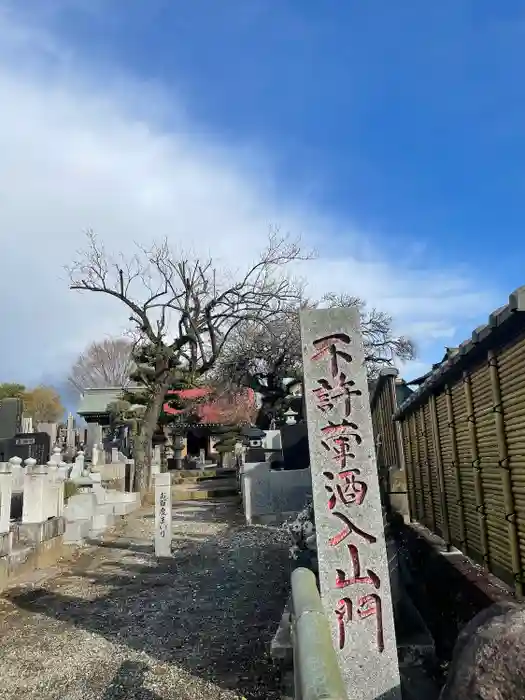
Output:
(115, 484)
(35, 533)
(77, 531)
(6, 543)
(32, 546)
(281, 649)
(273, 519)
(124, 508)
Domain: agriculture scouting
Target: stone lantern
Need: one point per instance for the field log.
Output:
(290, 416)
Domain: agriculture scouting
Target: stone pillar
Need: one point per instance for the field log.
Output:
(52, 501)
(63, 473)
(95, 456)
(56, 455)
(36, 492)
(353, 564)
(78, 467)
(163, 522)
(155, 464)
(156, 455)
(6, 490)
(93, 437)
(27, 424)
(70, 434)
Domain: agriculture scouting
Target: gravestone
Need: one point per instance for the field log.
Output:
(353, 564)
(294, 439)
(93, 437)
(255, 454)
(70, 432)
(10, 417)
(35, 446)
(163, 526)
(50, 429)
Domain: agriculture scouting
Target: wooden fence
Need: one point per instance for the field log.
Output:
(386, 395)
(463, 439)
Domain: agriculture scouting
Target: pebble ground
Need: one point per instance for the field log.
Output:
(111, 622)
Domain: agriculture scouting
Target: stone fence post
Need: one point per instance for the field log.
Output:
(17, 474)
(78, 467)
(36, 492)
(56, 456)
(156, 455)
(95, 456)
(6, 489)
(163, 526)
(63, 471)
(52, 485)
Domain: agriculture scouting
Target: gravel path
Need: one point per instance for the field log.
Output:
(113, 623)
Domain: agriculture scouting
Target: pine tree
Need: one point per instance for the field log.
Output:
(230, 436)
(139, 398)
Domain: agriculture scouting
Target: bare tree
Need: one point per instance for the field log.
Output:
(381, 344)
(185, 311)
(263, 355)
(103, 364)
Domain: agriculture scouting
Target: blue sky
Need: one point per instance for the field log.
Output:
(405, 116)
(390, 134)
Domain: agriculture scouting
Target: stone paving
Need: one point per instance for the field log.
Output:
(113, 623)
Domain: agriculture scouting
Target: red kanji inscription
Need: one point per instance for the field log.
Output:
(327, 395)
(343, 613)
(328, 346)
(341, 579)
(339, 438)
(367, 605)
(350, 492)
(371, 605)
(348, 529)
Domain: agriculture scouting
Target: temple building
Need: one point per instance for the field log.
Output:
(199, 435)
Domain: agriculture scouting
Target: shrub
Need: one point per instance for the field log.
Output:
(70, 489)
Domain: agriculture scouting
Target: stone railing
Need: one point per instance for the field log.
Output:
(316, 670)
(42, 511)
(41, 484)
(43, 522)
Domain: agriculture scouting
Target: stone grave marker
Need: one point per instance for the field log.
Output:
(353, 564)
(70, 432)
(31, 446)
(93, 437)
(50, 429)
(163, 521)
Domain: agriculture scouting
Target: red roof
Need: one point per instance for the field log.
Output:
(217, 410)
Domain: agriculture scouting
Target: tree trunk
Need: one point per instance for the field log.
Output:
(142, 451)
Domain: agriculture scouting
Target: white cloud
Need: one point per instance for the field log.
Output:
(79, 150)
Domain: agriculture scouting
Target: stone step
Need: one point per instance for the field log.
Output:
(196, 475)
(194, 492)
(199, 479)
(222, 502)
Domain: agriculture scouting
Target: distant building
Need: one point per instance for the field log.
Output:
(212, 415)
